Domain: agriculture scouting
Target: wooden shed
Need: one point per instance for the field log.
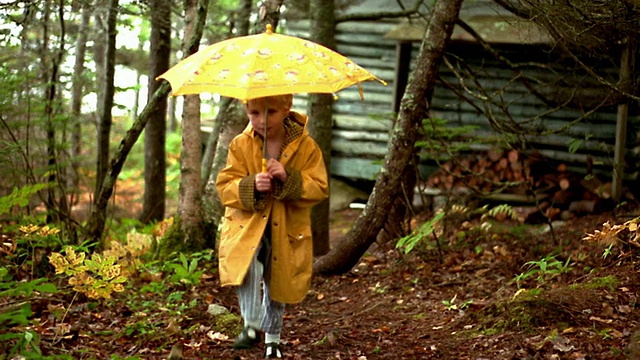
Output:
(530, 86)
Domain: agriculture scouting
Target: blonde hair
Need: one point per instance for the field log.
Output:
(284, 101)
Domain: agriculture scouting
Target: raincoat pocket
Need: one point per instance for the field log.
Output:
(301, 251)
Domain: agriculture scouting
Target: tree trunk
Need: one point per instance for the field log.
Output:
(322, 27)
(190, 209)
(95, 225)
(104, 125)
(413, 110)
(208, 175)
(76, 99)
(97, 220)
(627, 60)
(398, 221)
(104, 50)
(155, 167)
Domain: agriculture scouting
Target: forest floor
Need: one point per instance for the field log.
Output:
(457, 302)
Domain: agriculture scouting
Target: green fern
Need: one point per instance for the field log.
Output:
(502, 209)
(410, 241)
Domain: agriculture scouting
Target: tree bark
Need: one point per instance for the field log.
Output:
(97, 220)
(76, 98)
(190, 209)
(208, 174)
(322, 27)
(105, 62)
(413, 110)
(104, 126)
(155, 167)
(627, 60)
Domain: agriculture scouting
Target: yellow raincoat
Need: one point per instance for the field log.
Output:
(244, 224)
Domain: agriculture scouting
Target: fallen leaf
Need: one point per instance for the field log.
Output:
(625, 309)
(217, 336)
(605, 321)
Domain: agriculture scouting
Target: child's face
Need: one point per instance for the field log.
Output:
(256, 110)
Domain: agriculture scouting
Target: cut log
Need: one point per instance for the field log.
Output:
(564, 183)
(562, 198)
(495, 154)
(583, 206)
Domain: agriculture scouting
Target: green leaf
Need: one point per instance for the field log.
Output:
(47, 288)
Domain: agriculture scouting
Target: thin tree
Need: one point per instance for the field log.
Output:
(76, 95)
(190, 209)
(106, 98)
(208, 183)
(322, 31)
(414, 108)
(96, 223)
(155, 166)
(54, 208)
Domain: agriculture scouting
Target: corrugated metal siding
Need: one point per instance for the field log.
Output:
(361, 128)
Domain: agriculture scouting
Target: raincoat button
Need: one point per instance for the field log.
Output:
(299, 236)
(275, 224)
(264, 217)
(275, 258)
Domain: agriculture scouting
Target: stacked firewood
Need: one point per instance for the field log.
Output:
(543, 190)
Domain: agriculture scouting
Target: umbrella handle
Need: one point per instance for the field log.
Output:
(264, 165)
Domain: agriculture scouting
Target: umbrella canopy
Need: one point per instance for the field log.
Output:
(266, 64)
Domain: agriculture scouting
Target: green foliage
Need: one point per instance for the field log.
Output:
(20, 197)
(97, 277)
(609, 282)
(410, 241)
(173, 148)
(453, 304)
(18, 288)
(440, 138)
(185, 271)
(27, 345)
(500, 211)
(544, 269)
(18, 314)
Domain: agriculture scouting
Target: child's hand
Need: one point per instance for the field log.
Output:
(263, 182)
(276, 170)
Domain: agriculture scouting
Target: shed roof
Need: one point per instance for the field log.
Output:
(492, 28)
(494, 23)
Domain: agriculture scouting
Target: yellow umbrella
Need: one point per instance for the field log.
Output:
(266, 64)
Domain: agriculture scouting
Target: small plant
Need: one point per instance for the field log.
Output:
(379, 289)
(500, 212)
(547, 267)
(97, 277)
(410, 241)
(185, 271)
(452, 305)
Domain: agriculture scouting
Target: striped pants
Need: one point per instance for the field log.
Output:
(264, 314)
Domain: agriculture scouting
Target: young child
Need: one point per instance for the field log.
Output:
(266, 233)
